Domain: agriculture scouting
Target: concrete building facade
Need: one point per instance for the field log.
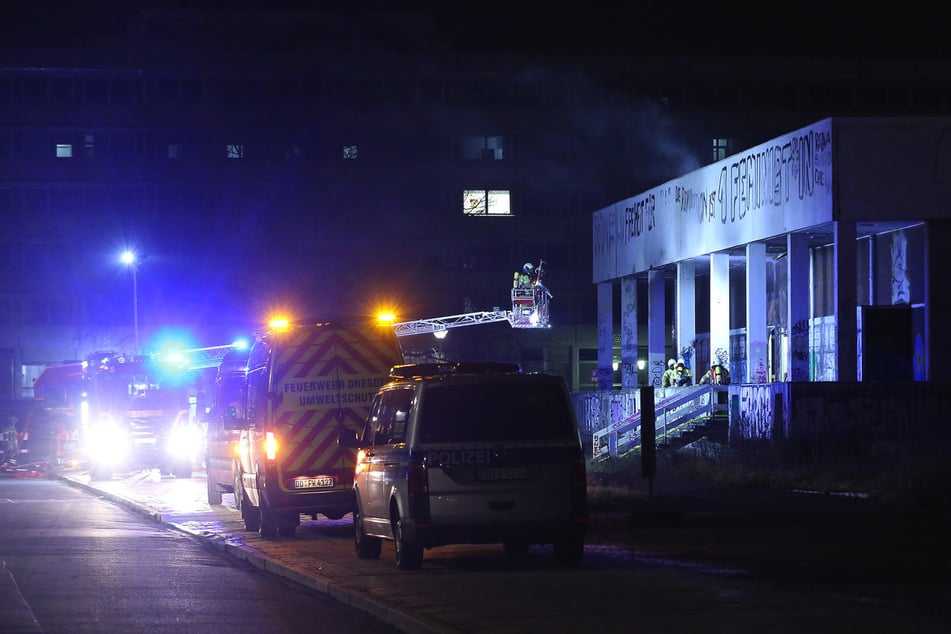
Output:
(820, 251)
(814, 258)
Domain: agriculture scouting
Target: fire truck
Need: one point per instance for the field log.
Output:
(138, 414)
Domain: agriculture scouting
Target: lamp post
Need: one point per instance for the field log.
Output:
(128, 258)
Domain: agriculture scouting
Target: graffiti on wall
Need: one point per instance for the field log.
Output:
(657, 368)
(822, 347)
(901, 293)
(776, 187)
(755, 415)
(799, 351)
(629, 375)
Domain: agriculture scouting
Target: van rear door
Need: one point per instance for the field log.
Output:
(324, 378)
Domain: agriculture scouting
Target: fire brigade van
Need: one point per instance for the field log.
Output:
(224, 424)
(305, 384)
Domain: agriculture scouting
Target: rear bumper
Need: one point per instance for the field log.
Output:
(332, 503)
(542, 532)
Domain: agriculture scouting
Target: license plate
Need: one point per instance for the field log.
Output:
(144, 441)
(502, 473)
(314, 483)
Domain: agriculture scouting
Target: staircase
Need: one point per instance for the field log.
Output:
(683, 416)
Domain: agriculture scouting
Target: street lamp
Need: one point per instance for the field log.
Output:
(128, 258)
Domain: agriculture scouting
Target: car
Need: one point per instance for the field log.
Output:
(469, 453)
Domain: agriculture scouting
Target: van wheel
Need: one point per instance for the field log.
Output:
(409, 553)
(238, 490)
(269, 523)
(214, 495)
(569, 549)
(367, 547)
(250, 514)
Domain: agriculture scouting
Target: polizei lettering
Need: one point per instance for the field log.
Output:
(459, 456)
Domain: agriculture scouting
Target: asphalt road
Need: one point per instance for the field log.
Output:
(71, 562)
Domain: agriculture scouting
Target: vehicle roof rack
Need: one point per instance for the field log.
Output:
(410, 370)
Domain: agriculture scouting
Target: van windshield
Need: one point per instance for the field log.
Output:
(495, 411)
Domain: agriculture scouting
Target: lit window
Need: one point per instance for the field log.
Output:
(720, 147)
(64, 150)
(234, 151)
(350, 151)
(481, 202)
(482, 148)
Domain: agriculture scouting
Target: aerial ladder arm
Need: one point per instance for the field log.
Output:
(529, 310)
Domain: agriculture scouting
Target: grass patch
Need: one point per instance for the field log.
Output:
(924, 482)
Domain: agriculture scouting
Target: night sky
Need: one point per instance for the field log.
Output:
(565, 28)
(754, 28)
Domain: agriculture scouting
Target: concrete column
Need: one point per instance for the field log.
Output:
(931, 364)
(686, 312)
(628, 332)
(756, 335)
(656, 328)
(846, 288)
(798, 307)
(605, 335)
(719, 305)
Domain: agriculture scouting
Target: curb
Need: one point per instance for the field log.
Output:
(392, 616)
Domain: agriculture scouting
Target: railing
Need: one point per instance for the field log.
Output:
(676, 412)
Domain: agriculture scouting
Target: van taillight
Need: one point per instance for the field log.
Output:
(270, 445)
(417, 478)
(417, 484)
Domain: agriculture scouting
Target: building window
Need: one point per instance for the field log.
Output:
(173, 151)
(482, 148)
(481, 202)
(720, 147)
(350, 151)
(64, 150)
(234, 151)
(89, 145)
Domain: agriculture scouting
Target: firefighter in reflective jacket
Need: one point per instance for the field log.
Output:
(526, 277)
(670, 374)
(717, 375)
(682, 376)
(9, 444)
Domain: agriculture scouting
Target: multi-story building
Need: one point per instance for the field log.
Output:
(320, 163)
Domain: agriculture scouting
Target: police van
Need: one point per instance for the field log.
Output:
(306, 382)
(479, 453)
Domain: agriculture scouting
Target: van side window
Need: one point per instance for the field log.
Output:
(257, 397)
(373, 421)
(391, 421)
